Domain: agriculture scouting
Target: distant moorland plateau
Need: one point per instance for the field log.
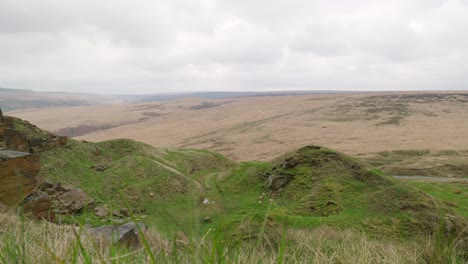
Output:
(406, 133)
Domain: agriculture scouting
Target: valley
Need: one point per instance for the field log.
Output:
(405, 133)
(191, 193)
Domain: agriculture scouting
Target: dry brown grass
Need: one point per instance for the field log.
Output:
(260, 128)
(24, 241)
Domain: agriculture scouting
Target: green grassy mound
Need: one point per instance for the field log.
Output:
(310, 187)
(129, 174)
(327, 187)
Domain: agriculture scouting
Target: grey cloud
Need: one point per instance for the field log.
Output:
(152, 46)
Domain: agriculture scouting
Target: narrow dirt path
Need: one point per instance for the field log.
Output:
(175, 171)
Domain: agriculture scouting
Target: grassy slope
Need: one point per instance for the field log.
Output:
(329, 188)
(134, 170)
(454, 195)
(422, 163)
(326, 187)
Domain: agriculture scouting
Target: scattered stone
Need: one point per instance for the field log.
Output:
(100, 167)
(126, 235)
(207, 220)
(117, 213)
(101, 212)
(74, 201)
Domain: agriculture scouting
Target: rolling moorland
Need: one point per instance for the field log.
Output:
(13, 99)
(268, 211)
(404, 133)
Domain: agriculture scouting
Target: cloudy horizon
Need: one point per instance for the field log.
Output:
(145, 46)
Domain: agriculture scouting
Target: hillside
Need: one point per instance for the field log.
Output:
(307, 187)
(400, 133)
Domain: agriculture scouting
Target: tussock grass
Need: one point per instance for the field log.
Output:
(26, 241)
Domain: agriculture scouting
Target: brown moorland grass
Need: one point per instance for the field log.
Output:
(261, 128)
(25, 241)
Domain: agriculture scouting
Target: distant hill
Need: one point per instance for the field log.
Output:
(227, 95)
(14, 99)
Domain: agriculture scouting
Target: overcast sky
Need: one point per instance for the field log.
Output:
(148, 46)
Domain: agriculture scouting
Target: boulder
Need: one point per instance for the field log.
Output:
(74, 201)
(125, 235)
(18, 172)
(39, 205)
(278, 182)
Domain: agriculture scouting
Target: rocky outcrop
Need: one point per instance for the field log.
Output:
(18, 172)
(19, 169)
(125, 235)
(67, 199)
(73, 202)
(13, 139)
(27, 139)
(40, 206)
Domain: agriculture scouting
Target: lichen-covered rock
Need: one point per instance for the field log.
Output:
(18, 172)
